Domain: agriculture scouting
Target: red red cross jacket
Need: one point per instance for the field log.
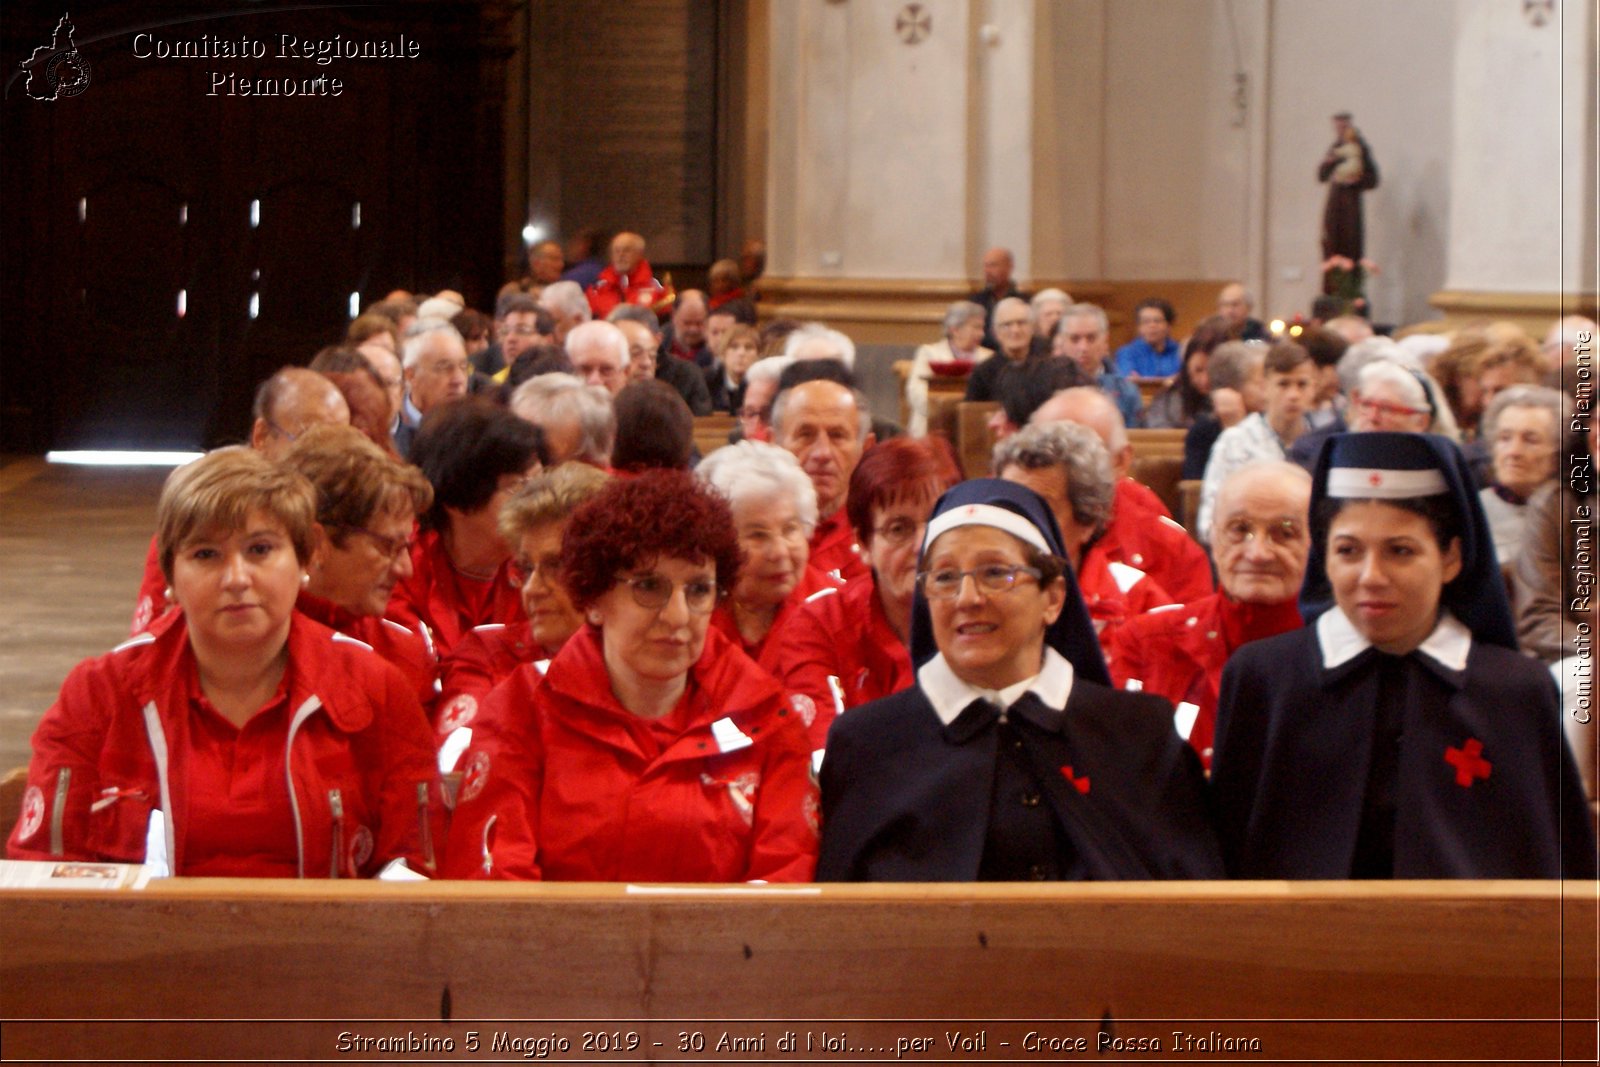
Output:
(408, 648)
(562, 784)
(834, 550)
(839, 652)
(1178, 652)
(1142, 534)
(436, 596)
(1115, 593)
(639, 287)
(152, 603)
(484, 658)
(812, 581)
(361, 786)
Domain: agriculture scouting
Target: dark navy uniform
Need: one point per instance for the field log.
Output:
(1334, 759)
(1073, 780)
(1105, 791)
(1394, 766)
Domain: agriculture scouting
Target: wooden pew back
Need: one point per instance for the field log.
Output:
(1132, 959)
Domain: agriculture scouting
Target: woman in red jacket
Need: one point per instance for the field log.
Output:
(475, 455)
(774, 512)
(652, 750)
(849, 648)
(367, 505)
(532, 522)
(237, 738)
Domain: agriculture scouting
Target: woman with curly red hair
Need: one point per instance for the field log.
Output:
(653, 749)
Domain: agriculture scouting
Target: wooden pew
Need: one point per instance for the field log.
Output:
(974, 443)
(1404, 971)
(1156, 442)
(711, 431)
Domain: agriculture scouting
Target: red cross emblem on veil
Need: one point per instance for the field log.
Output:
(1468, 761)
(1374, 479)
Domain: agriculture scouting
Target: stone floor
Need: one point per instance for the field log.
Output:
(72, 547)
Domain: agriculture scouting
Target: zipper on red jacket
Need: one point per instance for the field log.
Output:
(336, 805)
(427, 828)
(58, 813)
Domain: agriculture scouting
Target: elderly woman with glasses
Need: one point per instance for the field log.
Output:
(367, 507)
(774, 511)
(849, 647)
(1011, 759)
(653, 749)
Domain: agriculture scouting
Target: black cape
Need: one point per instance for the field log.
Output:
(906, 798)
(1294, 748)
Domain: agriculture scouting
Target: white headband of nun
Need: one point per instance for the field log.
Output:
(1375, 483)
(986, 515)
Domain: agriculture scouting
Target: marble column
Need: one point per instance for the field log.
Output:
(1522, 214)
(900, 148)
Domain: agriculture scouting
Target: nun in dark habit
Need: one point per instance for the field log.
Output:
(1400, 734)
(1011, 759)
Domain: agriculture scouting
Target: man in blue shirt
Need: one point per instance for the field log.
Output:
(1083, 335)
(1154, 353)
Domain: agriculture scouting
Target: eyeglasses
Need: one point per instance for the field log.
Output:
(606, 371)
(450, 366)
(1378, 407)
(991, 578)
(281, 432)
(519, 331)
(900, 531)
(548, 568)
(652, 592)
(756, 413)
(1283, 532)
(393, 547)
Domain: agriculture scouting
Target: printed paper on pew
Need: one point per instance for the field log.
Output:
(28, 874)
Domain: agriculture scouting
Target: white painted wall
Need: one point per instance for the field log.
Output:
(877, 186)
(1518, 134)
(1390, 65)
(1105, 138)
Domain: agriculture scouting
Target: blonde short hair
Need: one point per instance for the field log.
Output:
(221, 489)
(551, 496)
(355, 479)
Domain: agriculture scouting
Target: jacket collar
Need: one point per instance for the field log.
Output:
(950, 696)
(1340, 642)
(723, 684)
(165, 666)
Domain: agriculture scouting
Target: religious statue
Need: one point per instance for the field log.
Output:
(1349, 170)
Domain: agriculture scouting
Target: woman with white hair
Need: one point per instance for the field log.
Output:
(577, 419)
(963, 341)
(1387, 395)
(1049, 305)
(774, 512)
(1523, 430)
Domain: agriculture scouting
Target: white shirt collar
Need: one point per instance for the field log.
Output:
(1340, 642)
(950, 695)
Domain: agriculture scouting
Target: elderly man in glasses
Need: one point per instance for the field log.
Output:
(1261, 535)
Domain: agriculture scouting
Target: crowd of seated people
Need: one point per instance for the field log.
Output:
(470, 602)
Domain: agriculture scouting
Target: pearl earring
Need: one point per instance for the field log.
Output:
(305, 578)
(168, 594)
